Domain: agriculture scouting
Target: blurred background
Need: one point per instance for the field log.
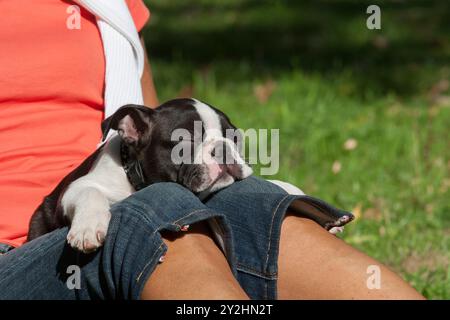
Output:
(364, 115)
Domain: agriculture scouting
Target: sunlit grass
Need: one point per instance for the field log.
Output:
(394, 102)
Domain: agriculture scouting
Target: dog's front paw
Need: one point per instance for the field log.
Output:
(87, 232)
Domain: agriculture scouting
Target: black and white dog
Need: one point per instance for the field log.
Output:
(143, 147)
(142, 153)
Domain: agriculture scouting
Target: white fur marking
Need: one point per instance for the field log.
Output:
(210, 119)
(86, 201)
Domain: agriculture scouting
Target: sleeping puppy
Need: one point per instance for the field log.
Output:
(141, 154)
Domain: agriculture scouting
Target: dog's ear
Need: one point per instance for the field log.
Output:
(133, 123)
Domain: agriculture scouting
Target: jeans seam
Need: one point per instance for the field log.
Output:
(140, 210)
(187, 215)
(149, 262)
(271, 231)
(256, 273)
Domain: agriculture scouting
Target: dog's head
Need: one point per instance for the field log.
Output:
(184, 141)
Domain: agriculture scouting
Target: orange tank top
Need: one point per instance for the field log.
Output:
(51, 102)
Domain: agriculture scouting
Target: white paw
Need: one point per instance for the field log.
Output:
(87, 232)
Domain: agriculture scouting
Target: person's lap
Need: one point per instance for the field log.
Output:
(194, 268)
(248, 215)
(41, 269)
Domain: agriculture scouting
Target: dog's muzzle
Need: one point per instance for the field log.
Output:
(217, 164)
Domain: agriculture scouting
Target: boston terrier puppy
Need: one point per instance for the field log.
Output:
(142, 153)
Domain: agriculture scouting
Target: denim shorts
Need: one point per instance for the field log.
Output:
(246, 219)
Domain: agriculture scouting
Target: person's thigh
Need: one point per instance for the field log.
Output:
(313, 264)
(193, 268)
(255, 209)
(47, 268)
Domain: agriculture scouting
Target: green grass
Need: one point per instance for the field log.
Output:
(328, 79)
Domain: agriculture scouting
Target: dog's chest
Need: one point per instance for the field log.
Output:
(109, 173)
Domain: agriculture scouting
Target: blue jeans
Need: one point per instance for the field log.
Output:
(247, 215)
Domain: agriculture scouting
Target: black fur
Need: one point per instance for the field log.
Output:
(49, 216)
(152, 148)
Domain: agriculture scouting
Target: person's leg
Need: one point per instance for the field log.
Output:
(295, 256)
(314, 264)
(47, 268)
(193, 268)
(35, 270)
(39, 270)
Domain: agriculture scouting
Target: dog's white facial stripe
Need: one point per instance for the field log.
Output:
(217, 176)
(210, 119)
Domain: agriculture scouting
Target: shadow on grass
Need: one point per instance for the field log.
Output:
(320, 36)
